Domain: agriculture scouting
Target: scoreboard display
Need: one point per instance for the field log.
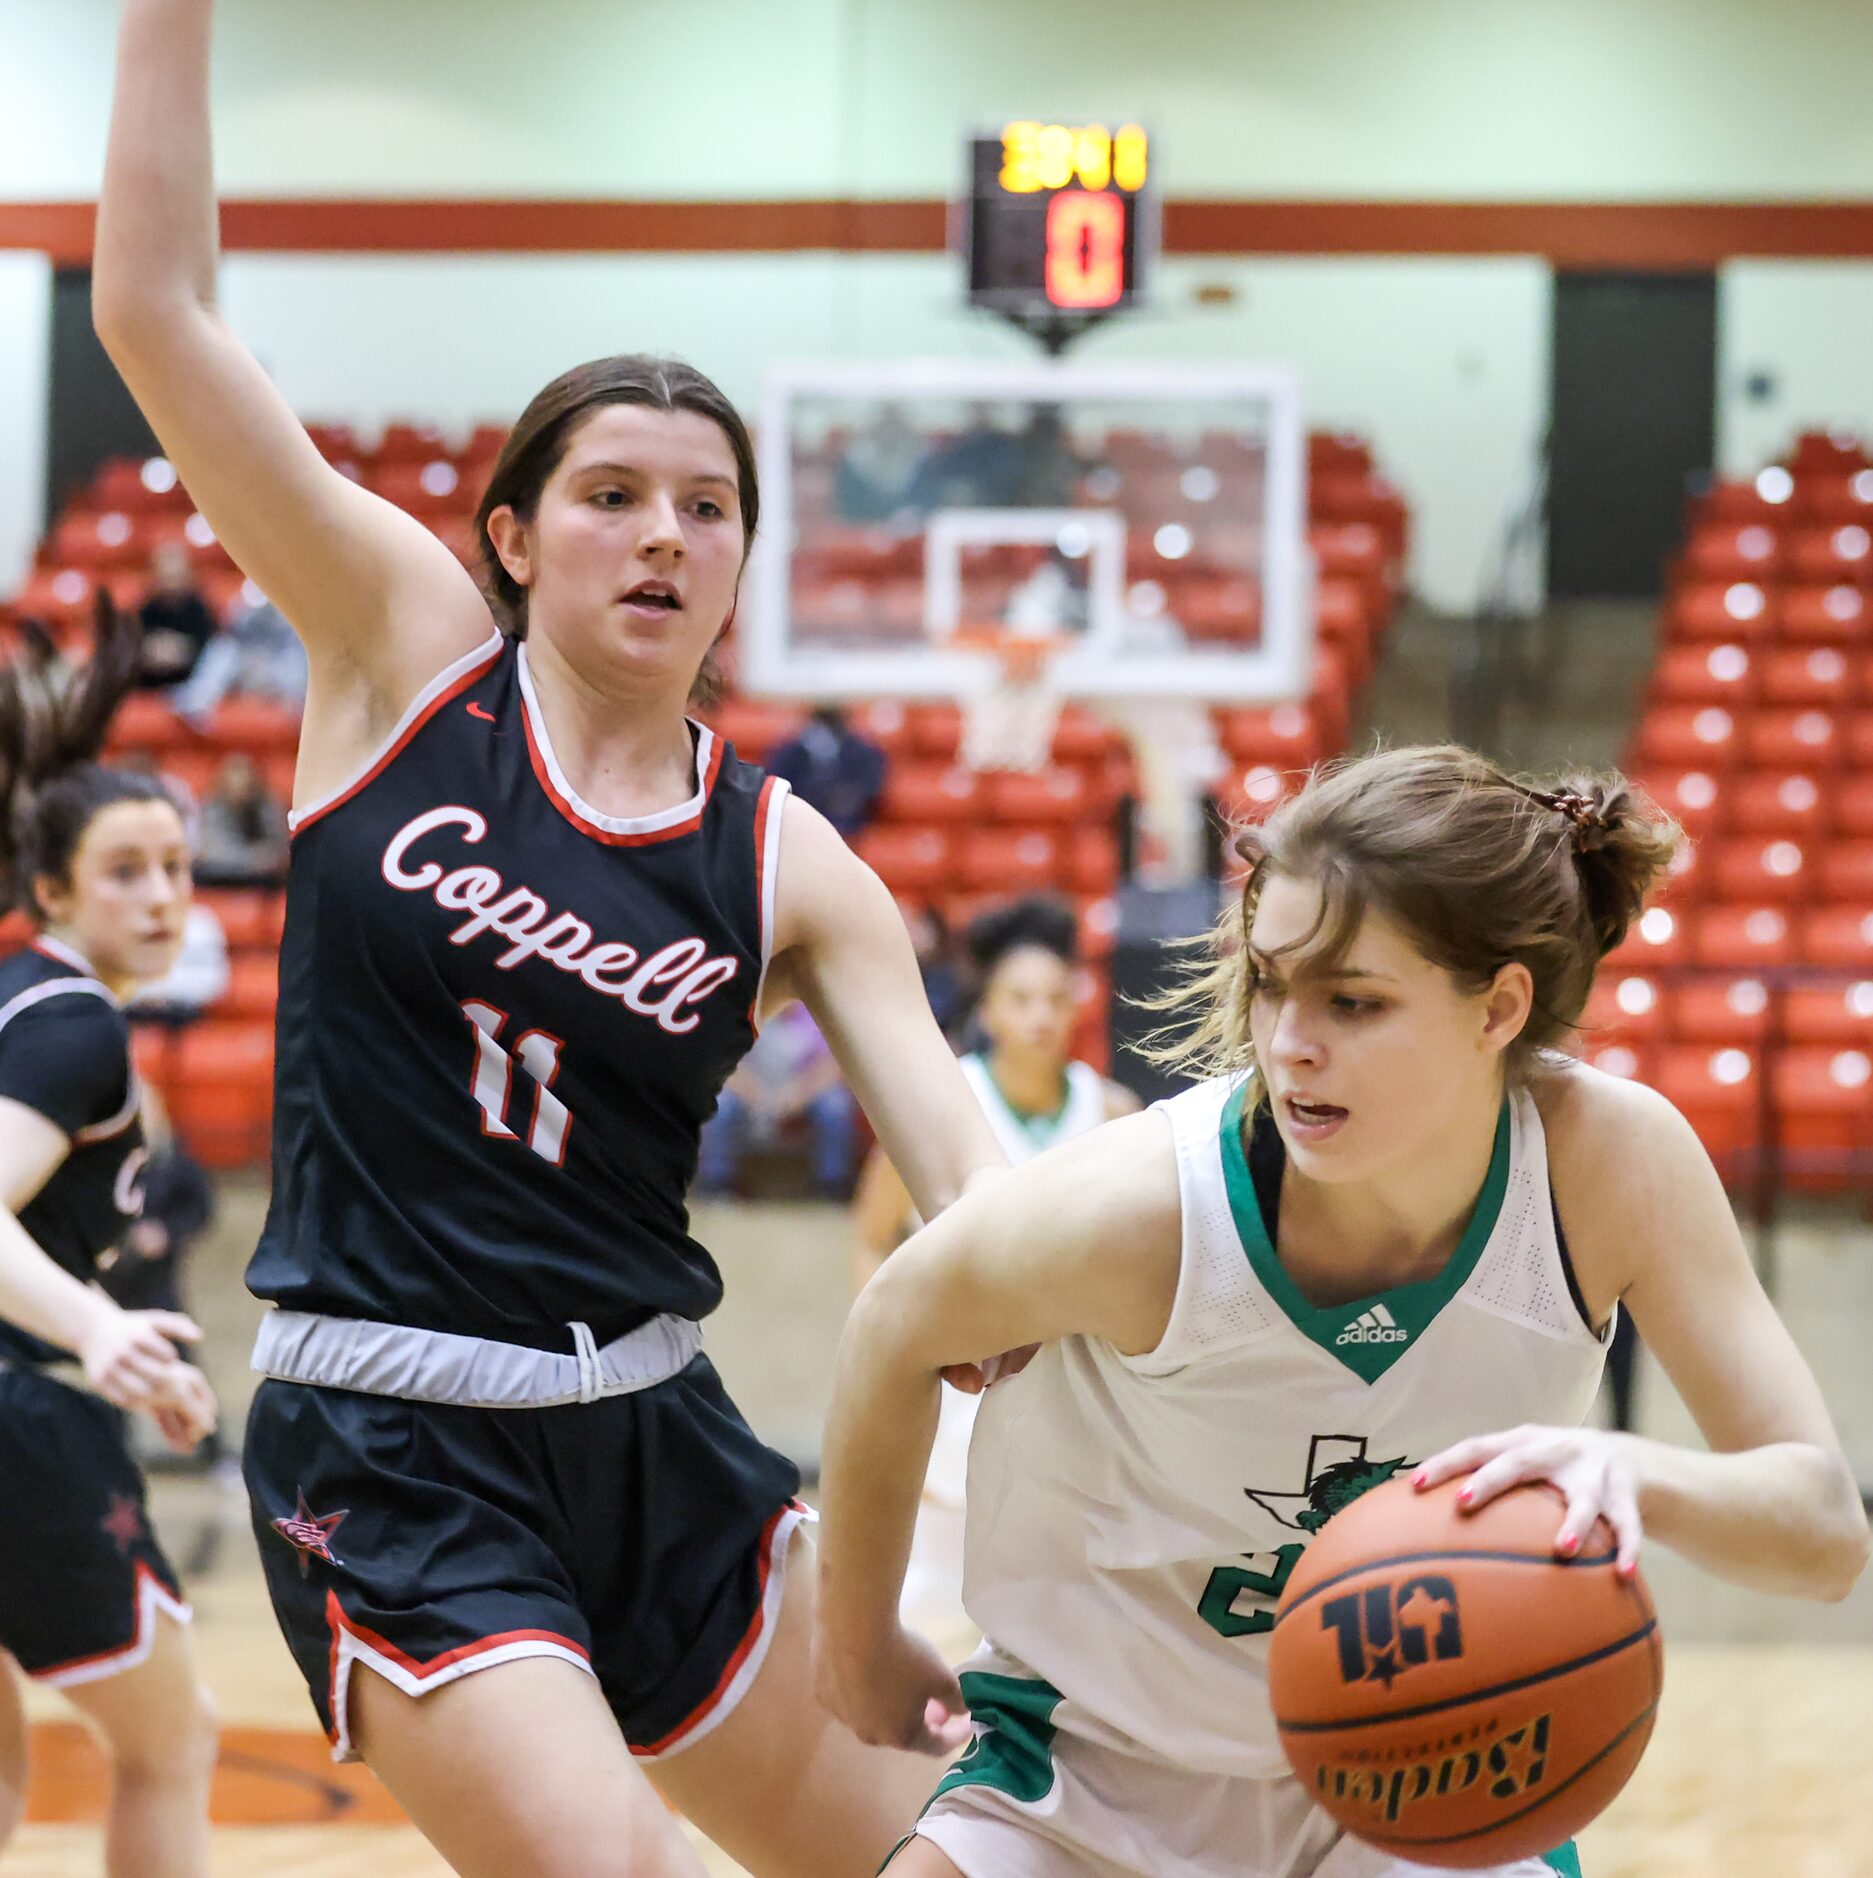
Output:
(1059, 219)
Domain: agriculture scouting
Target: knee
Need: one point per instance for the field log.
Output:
(182, 1749)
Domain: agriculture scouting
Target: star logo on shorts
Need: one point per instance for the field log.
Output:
(124, 1522)
(309, 1534)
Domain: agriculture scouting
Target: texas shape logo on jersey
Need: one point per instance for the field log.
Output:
(1338, 1472)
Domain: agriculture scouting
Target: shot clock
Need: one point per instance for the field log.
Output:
(1060, 220)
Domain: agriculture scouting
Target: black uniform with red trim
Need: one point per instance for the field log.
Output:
(503, 1021)
(81, 1574)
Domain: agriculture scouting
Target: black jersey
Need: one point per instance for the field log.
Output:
(65, 1051)
(503, 1021)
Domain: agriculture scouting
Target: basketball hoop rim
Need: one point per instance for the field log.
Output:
(1023, 656)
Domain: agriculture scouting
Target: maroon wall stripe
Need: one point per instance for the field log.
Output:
(1666, 235)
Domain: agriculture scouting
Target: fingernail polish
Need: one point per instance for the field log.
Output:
(1466, 1495)
(1570, 1545)
(1419, 1478)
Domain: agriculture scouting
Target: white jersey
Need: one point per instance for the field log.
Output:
(1024, 1136)
(1132, 1520)
(1021, 1137)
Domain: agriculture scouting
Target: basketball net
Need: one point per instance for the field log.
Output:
(1010, 725)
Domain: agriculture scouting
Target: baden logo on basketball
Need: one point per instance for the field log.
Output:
(1512, 1766)
(1377, 1325)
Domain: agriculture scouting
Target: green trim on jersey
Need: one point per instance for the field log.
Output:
(1014, 1753)
(1379, 1329)
(1563, 1859)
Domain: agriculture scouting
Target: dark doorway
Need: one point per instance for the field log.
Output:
(1635, 401)
(90, 413)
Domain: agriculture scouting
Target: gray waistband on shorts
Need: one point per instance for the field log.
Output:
(471, 1372)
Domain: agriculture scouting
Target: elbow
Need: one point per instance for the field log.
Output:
(1841, 1557)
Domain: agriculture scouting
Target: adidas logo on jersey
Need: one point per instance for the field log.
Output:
(1377, 1325)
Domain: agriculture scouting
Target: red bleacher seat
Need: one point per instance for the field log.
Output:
(1816, 676)
(1747, 551)
(1836, 615)
(1691, 797)
(1628, 1007)
(253, 986)
(1853, 805)
(930, 792)
(1778, 802)
(1052, 795)
(1824, 1097)
(1715, 1090)
(1092, 861)
(1686, 736)
(1283, 736)
(1008, 860)
(1839, 1014)
(219, 1084)
(1793, 739)
(1846, 872)
(754, 725)
(1743, 936)
(907, 860)
(1840, 935)
(1734, 610)
(144, 721)
(1843, 553)
(259, 726)
(1733, 1012)
(248, 915)
(1780, 872)
(1721, 674)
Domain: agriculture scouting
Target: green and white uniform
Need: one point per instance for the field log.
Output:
(1132, 1520)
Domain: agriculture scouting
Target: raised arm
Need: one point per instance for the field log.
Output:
(1084, 1240)
(381, 604)
(841, 947)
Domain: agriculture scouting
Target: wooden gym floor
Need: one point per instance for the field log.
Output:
(1760, 1766)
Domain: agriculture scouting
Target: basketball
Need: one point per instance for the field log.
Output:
(1449, 1689)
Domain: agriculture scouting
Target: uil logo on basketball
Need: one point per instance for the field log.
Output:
(1388, 1629)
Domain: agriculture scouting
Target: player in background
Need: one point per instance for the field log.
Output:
(1035, 1094)
(1391, 1222)
(523, 1546)
(88, 1603)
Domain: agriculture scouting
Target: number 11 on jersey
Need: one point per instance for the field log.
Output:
(538, 1054)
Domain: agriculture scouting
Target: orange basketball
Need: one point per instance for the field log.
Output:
(1450, 1690)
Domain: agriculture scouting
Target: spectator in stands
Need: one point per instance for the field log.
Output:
(242, 837)
(943, 982)
(874, 478)
(177, 623)
(788, 1077)
(198, 977)
(256, 654)
(834, 768)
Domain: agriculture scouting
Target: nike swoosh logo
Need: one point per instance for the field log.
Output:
(487, 717)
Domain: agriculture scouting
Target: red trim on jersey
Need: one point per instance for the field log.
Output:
(338, 1620)
(704, 1709)
(611, 840)
(761, 807)
(165, 1595)
(446, 696)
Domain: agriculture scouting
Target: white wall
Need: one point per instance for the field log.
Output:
(1807, 326)
(1380, 98)
(25, 336)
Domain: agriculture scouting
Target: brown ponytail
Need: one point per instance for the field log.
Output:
(53, 720)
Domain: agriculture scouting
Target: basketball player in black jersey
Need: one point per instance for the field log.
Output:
(88, 1602)
(523, 1546)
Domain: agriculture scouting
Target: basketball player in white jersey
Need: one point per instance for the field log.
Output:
(1035, 1094)
(1392, 1220)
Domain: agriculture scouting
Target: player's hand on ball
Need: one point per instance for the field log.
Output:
(898, 1694)
(1594, 1469)
(128, 1354)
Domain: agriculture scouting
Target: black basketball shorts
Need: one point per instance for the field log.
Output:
(641, 1537)
(81, 1575)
